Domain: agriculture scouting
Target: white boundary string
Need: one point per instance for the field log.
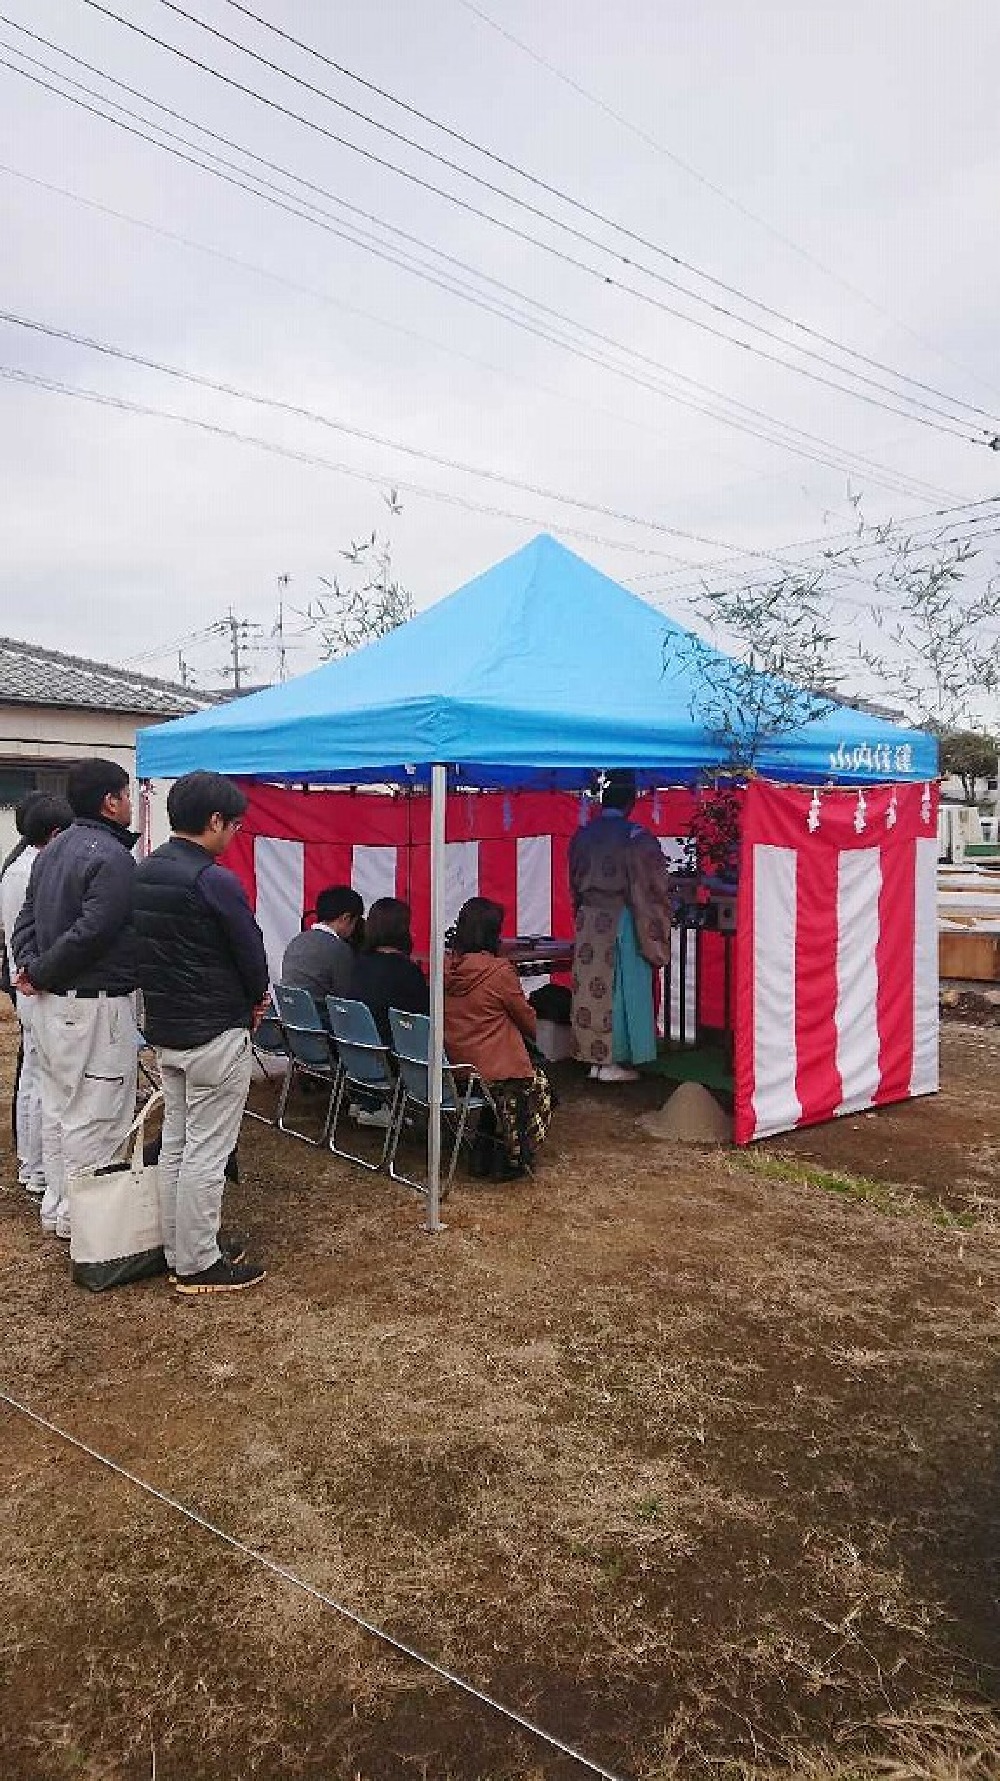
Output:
(268, 1564)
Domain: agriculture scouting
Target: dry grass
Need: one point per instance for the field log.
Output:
(687, 1458)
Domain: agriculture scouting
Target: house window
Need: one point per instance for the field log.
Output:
(15, 784)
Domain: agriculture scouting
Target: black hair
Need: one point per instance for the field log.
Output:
(21, 809)
(478, 926)
(337, 900)
(388, 924)
(620, 789)
(194, 799)
(91, 781)
(45, 817)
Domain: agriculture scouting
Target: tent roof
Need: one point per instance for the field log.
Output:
(538, 671)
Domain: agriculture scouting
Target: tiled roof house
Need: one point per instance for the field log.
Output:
(55, 708)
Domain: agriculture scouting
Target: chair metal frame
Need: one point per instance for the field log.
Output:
(343, 1013)
(262, 1051)
(150, 1076)
(316, 1061)
(456, 1104)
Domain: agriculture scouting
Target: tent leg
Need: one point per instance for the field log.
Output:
(439, 794)
(145, 818)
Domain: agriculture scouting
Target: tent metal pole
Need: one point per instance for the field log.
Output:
(439, 803)
(145, 817)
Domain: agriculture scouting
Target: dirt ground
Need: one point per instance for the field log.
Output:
(690, 1457)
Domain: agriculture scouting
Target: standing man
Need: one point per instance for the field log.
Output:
(43, 817)
(19, 848)
(620, 885)
(7, 966)
(203, 973)
(321, 959)
(74, 946)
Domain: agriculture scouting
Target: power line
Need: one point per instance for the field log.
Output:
(709, 185)
(150, 655)
(553, 191)
(845, 535)
(861, 574)
(221, 387)
(279, 197)
(946, 424)
(795, 439)
(968, 533)
(56, 386)
(327, 298)
(860, 563)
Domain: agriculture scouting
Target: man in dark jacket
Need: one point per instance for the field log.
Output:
(203, 974)
(74, 946)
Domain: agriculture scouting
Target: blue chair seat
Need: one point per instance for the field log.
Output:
(267, 1044)
(311, 1052)
(462, 1091)
(365, 1069)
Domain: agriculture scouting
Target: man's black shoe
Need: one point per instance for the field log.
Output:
(222, 1276)
(234, 1250)
(504, 1170)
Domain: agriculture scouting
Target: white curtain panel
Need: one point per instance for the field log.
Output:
(373, 872)
(279, 869)
(461, 877)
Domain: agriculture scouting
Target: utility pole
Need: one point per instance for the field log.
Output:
(284, 581)
(239, 632)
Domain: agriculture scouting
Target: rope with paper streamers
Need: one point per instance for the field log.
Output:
(318, 1595)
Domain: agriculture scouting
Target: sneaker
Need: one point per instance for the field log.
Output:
(49, 1226)
(616, 1073)
(234, 1251)
(223, 1276)
(62, 1228)
(35, 1191)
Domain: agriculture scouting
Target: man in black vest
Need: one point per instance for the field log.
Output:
(203, 974)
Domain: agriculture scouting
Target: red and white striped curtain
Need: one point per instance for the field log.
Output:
(837, 973)
(510, 846)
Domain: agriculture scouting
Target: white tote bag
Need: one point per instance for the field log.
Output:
(115, 1216)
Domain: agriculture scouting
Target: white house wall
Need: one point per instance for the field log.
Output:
(46, 736)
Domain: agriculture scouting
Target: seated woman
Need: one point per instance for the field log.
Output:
(487, 1024)
(383, 974)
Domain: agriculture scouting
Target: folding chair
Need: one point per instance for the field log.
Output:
(147, 1070)
(365, 1069)
(268, 1043)
(411, 1034)
(312, 1056)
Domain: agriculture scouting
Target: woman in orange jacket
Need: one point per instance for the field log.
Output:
(488, 1022)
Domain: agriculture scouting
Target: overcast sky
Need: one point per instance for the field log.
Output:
(837, 162)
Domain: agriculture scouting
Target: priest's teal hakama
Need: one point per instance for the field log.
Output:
(620, 887)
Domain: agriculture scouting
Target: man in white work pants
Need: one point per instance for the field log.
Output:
(74, 947)
(204, 1093)
(87, 1048)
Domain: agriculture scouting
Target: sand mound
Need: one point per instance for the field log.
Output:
(691, 1116)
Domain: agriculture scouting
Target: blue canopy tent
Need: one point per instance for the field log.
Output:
(536, 673)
